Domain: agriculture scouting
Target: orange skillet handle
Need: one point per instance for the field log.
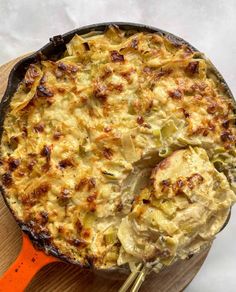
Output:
(27, 264)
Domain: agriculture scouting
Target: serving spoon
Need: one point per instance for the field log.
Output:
(142, 169)
(137, 277)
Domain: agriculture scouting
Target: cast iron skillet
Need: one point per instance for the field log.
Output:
(52, 51)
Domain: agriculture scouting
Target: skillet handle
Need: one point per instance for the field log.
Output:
(26, 265)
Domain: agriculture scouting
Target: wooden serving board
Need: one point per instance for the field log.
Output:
(67, 277)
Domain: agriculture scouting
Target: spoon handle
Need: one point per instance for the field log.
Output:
(139, 280)
(130, 280)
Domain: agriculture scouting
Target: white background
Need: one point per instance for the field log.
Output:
(209, 25)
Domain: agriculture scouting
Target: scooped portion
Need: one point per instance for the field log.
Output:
(180, 213)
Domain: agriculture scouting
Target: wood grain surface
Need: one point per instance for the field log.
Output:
(67, 277)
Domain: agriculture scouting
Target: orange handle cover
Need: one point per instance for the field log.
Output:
(27, 264)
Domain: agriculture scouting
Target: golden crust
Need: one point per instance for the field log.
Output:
(76, 126)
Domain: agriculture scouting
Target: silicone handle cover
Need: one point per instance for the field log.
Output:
(26, 265)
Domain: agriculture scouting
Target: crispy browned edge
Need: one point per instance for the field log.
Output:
(39, 240)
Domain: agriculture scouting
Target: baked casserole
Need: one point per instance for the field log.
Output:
(121, 151)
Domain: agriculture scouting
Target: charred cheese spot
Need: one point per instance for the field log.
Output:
(46, 152)
(41, 190)
(79, 243)
(39, 128)
(140, 120)
(83, 182)
(91, 198)
(68, 68)
(192, 68)
(100, 91)
(176, 94)
(227, 136)
(13, 163)
(7, 179)
(134, 44)
(166, 183)
(44, 217)
(225, 124)
(194, 180)
(31, 164)
(13, 143)
(91, 183)
(64, 196)
(116, 57)
(107, 153)
(66, 163)
(86, 233)
(79, 226)
(31, 75)
(57, 135)
(42, 91)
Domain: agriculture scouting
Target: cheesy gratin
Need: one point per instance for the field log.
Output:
(121, 151)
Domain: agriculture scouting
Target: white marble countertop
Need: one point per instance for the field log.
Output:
(210, 26)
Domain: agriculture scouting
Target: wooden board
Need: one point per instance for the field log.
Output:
(67, 277)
